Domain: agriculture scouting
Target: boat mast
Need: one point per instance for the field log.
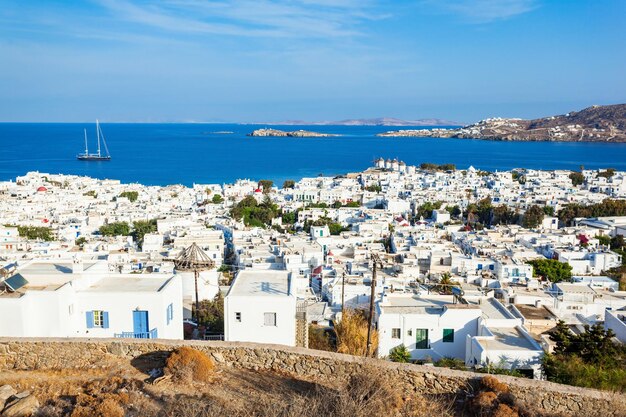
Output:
(86, 148)
(98, 133)
(104, 142)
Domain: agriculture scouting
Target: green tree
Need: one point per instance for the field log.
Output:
(289, 184)
(608, 173)
(141, 228)
(577, 178)
(80, 241)
(426, 210)
(217, 199)
(115, 229)
(131, 195)
(434, 167)
(455, 211)
(551, 269)
(502, 214)
(374, 188)
(253, 213)
(607, 207)
(533, 217)
(337, 204)
(35, 232)
(352, 204)
(289, 217)
(266, 185)
(211, 313)
(400, 354)
(589, 359)
(604, 240)
(548, 210)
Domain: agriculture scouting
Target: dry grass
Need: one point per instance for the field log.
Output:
(352, 334)
(186, 364)
(491, 383)
(119, 390)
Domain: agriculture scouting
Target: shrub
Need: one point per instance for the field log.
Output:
(188, 364)
(485, 400)
(131, 195)
(493, 384)
(452, 363)
(504, 410)
(400, 354)
(319, 339)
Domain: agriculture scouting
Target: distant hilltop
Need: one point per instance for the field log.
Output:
(380, 121)
(593, 124)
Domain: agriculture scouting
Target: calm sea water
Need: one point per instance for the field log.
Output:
(161, 154)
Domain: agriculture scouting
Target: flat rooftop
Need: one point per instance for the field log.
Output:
(535, 313)
(575, 288)
(125, 284)
(507, 338)
(402, 304)
(50, 268)
(260, 283)
(493, 309)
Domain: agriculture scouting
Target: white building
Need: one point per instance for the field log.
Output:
(64, 299)
(260, 307)
(433, 327)
(430, 327)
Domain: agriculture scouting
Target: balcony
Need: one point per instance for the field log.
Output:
(152, 334)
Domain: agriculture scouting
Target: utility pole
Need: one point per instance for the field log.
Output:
(376, 263)
(196, 274)
(343, 287)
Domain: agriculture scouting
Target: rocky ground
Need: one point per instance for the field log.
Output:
(150, 386)
(593, 124)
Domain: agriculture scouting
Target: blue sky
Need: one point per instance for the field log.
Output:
(271, 60)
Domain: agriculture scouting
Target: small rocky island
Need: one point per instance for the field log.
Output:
(293, 134)
(593, 124)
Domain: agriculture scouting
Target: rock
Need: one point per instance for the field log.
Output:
(219, 358)
(22, 394)
(24, 407)
(6, 392)
(294, 134)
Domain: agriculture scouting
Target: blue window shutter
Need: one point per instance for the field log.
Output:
(167, 314)
(105, 319)
(90, 319)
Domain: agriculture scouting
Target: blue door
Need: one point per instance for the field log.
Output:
(140, 323)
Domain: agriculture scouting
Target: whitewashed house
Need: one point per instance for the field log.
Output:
(260, 307)
(82, 299)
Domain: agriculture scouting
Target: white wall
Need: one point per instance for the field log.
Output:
(613, 322)
(252, 328)
(463, 321)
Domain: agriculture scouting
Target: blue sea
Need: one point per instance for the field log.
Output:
(162, 154)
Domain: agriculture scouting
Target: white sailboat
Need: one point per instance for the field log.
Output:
(98, 156)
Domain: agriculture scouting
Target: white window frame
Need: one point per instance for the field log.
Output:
(98, 318)
(395, 333)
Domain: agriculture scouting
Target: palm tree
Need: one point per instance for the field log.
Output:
(445, 284)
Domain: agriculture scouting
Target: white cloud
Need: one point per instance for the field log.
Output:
(483, 11)
(258, 18)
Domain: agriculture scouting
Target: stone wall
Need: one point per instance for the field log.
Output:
(28, 354)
